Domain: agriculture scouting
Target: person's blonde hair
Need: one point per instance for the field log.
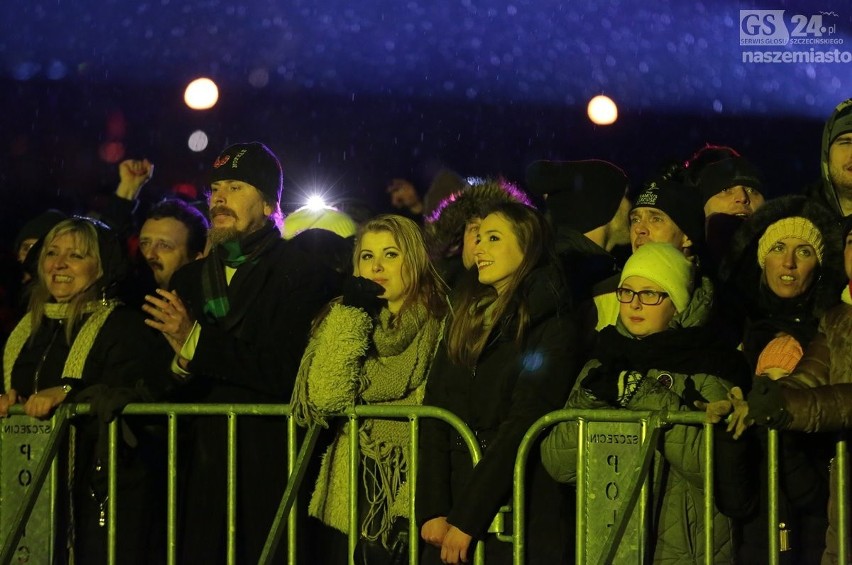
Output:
(426, 286)
(86, 237)
(469, 329)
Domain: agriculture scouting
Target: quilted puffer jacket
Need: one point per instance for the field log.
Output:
(677, 524)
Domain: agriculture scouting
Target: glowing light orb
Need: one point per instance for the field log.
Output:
(602, 110)
(197, 141)
(201, 94)
(315, 202)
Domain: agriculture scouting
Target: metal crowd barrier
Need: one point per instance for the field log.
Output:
(298, 456)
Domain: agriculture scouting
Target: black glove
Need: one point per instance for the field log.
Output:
(603, 382)
(691, 395)
(766, 404)
(362, 293)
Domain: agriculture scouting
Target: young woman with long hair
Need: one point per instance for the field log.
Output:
(373, 345)
(508, 358)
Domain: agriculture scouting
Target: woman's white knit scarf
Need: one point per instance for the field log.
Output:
(79, 352)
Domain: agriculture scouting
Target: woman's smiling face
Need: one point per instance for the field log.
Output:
(68, 269)
(498, 252)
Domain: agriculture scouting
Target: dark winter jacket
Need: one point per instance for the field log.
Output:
(499, 400)
(818, 394)
(744, 294)
(125, 354)
(251, 359)
(677, 483)
(255, 359)
(586, 263)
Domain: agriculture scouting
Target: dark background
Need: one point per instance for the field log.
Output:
(351, 95)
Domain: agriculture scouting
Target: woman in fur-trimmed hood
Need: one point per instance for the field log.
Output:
(451, 229)
(743, 278)
(373, 345)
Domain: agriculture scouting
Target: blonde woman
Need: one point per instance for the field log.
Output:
(373, 345)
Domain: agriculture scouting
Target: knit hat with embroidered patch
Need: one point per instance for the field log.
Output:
(581, 195)
(781, 353)
(326, 218)
(680, 203)
(726, 173)
(796, 226)
(664, 265)
(253, 163)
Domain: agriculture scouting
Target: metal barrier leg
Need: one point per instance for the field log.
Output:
(842, 499)
(293, 484)
(60, 428)
(647, 455)
(171, 518)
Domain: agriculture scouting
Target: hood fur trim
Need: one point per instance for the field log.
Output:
(444, 228)
(741, 273)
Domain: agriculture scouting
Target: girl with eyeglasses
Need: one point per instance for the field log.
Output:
(657, 358)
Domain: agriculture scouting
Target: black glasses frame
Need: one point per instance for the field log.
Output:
(646, 297)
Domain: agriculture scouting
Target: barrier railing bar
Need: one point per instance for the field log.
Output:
(646, 452)
(171, 491)
(354, 463)
(709, 505)
(232, 490)
(292, 520)
(773, 531)
(293, 484)
(414, 446)
(580, 549)
(112, 484)
(842, 490)
(413, 413)
(656, 420)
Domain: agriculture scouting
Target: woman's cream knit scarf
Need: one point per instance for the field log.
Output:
(79, 352)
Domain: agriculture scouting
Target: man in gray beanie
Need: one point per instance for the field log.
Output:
(238, 321)
(834, 190)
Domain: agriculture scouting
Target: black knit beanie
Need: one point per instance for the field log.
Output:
(253, 163)
(38, 227)
(726, 173)
(681, 203)
(581, 195)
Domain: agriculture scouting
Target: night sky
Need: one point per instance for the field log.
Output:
(352, 94)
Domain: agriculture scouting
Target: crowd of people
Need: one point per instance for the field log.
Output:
(498, 301)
